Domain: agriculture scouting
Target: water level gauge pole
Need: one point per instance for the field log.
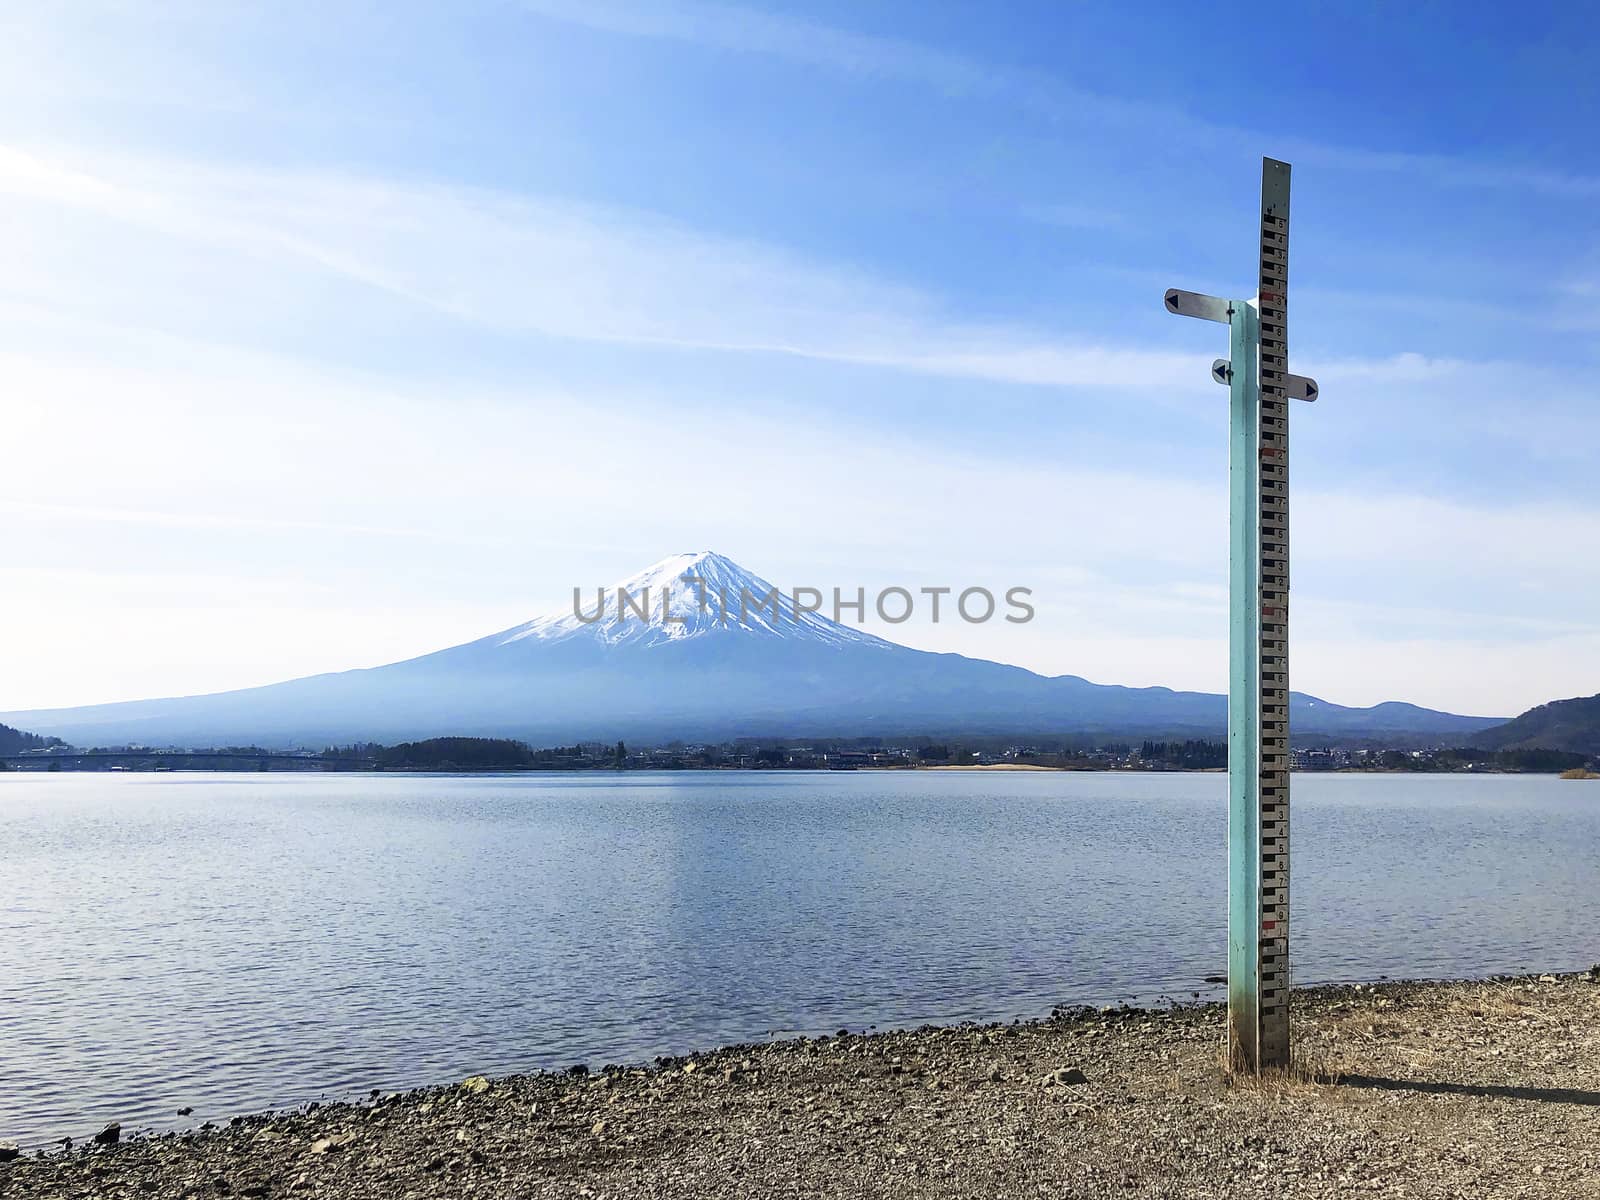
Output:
(1259, 388)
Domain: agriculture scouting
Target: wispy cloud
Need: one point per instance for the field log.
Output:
(217, 370)
(1078, 216)
(743, 29)
(751, 31)
(78, 513)
(1406, 367)
(589, 273)
(566, 500)
(586, 273)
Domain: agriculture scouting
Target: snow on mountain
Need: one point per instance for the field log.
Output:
(689, 596)
(720, 653)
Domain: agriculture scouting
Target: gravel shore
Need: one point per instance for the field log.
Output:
(1477, 1089)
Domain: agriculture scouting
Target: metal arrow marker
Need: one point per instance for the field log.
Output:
(1259, 388)
(1297, 387)
(1194, 304)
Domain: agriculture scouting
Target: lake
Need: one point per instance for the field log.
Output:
(234, 942)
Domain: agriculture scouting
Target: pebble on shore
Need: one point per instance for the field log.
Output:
(1428, 1090)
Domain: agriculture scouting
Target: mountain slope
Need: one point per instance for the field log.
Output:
(1560, 725)
(17, 741)
(705, 667)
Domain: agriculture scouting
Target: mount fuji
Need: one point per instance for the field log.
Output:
(698, 665)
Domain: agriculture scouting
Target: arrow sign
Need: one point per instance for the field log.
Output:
(1296, 387)
(1194, 304)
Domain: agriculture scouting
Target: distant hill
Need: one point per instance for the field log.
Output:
(713, 672)
(15, 741)
(458, 753)
(1560, 725)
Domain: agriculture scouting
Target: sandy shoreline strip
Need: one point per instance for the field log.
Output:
(992, 767)
(1417, 1090)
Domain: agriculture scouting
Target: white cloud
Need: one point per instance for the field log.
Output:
(364, 501)
(155, 456)
(561, 270)
(564, 271)
(1407, 367)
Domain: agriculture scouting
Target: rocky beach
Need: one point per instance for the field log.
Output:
(1456, 1089)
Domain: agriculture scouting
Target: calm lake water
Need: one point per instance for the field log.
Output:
(233, 942)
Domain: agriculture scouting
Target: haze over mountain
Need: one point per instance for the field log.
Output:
(1572, 725)
(711, 672)
(18, 741)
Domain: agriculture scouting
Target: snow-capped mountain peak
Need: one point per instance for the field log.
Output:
(715, 657)
(692, 595)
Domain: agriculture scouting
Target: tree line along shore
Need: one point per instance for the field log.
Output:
(508, 754)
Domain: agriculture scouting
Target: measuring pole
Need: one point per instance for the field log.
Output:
(1273, 625)
(1244, 686)
(1259, 388)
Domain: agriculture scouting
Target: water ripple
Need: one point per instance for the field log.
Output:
(240, 942)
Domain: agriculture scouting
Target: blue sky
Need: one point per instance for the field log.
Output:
(336, 333)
